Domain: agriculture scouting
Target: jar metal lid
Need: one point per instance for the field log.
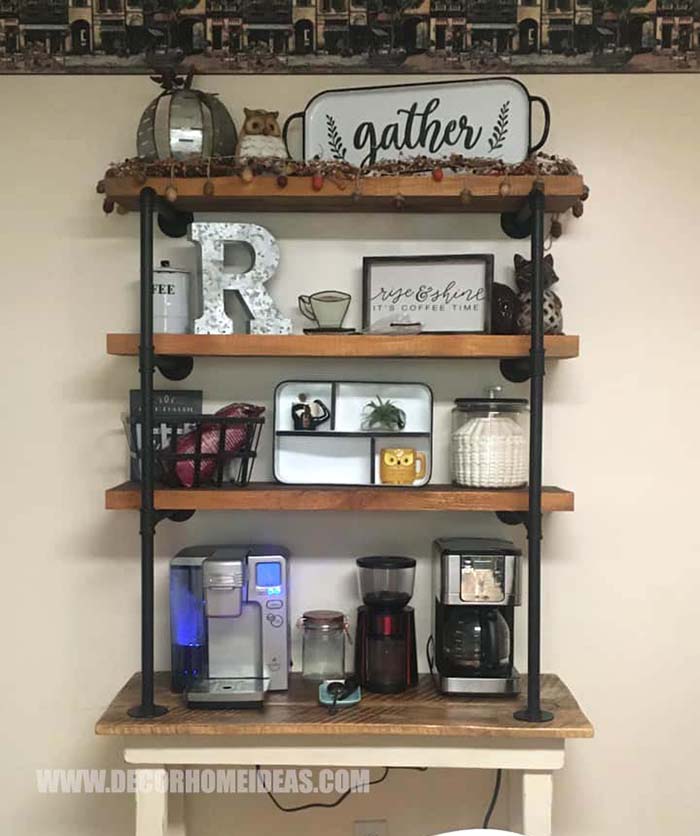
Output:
(323, 620)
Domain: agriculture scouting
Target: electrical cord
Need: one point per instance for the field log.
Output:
(494, 799)
(429, 652)
(339, 800)
(430, 655)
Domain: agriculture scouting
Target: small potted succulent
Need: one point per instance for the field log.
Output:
(383, 415)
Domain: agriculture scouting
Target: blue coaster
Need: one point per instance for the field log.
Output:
(327, 699)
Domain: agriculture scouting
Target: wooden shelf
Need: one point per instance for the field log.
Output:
(443, 346)
(377, 194)
(420, 711)
(344, 434)
(263, 496)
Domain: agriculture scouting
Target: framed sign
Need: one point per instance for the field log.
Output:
(445, 293)
(476, 118)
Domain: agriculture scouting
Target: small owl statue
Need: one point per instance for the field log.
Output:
(552, 307)
(261, 136)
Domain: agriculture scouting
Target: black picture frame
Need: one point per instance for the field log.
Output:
(486, 259)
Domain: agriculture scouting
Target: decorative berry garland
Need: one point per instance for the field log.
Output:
(339, 172)
(212, 167)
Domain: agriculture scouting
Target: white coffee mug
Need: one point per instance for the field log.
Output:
(171, 300)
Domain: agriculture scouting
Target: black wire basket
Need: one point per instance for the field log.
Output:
(201, 450)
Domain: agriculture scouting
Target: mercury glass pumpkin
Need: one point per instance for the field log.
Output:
(182, 123)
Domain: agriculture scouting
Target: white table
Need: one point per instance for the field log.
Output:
(418, 728)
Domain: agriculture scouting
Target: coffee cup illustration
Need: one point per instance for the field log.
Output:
(327, 308)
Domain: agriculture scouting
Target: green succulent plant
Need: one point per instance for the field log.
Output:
(386, 414)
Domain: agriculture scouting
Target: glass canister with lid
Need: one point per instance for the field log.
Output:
(323, 648)
(490, 441)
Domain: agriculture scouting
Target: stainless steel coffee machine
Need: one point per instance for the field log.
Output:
(476, 586)
(229, 624)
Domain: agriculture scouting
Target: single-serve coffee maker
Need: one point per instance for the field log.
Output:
(229, 624)
(476, 586)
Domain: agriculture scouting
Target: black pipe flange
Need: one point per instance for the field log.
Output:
(174, 367)
(174, 224)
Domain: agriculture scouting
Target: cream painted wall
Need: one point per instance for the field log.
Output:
(621, 573)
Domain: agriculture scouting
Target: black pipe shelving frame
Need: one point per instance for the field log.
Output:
(529, 221)
(149, 517)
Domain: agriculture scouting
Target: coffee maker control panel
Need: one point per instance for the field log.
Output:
(267, 584)
(482, 579)
(476, 572)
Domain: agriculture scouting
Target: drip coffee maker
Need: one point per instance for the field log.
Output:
(476, 587)
(385, 647)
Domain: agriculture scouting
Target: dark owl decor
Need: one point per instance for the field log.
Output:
(553, 319)
(505, 308)
(183, 123)
(261, 136)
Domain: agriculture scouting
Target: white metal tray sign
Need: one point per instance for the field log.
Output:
(364, 125)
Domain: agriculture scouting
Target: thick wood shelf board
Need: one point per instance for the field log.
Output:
(421, 345)
(377, 194)
(420, 711)
(263, 496)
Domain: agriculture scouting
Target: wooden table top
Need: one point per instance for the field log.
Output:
(419, 711)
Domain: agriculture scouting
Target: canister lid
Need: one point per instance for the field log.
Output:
(165, 267)
(386, 562)
(492, 404)
(324, 619)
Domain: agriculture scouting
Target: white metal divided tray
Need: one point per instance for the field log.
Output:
(479, 118)
(340, 449)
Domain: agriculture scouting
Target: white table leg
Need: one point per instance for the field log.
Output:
(514, 777)
(530, 796)
(176, 815)
(151, 802)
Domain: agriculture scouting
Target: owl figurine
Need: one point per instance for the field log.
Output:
(553, 319)
(401, 466)
(260, 136)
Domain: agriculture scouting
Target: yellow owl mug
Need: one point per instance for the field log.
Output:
(401, 465)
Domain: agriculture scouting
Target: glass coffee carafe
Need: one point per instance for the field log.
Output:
(475, 641)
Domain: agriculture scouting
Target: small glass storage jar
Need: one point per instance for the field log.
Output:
(323, 648)
(490, 447)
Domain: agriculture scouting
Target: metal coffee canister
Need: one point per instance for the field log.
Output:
(171, 300)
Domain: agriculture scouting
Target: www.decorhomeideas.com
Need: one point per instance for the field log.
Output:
(245, 780)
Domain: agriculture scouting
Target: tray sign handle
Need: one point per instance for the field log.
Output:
(285, 130)
(545, 130)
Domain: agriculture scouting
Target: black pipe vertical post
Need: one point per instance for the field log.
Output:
(147, 707)
(533, 712)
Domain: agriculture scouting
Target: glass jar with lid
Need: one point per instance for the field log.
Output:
(490, 447)
(323, 648)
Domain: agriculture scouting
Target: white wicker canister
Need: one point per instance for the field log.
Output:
(490, 442)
